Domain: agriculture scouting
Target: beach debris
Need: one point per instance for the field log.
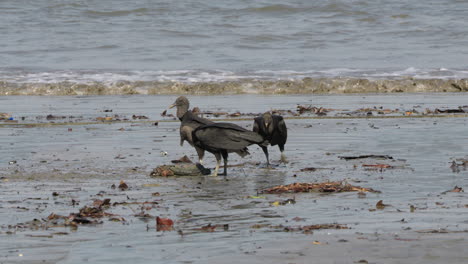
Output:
(298, 219)
(379, 166)
(139, 117)
(104, 119)
(460, 109)
(380, 205)
(454, 167)
(142, 214)
(284, 202)
(165, 114)
(163, 153)
(208, 228)
(143, 203)
(320, 111)
(54, 117)
(315, 169)
(102, 203)
(183, 159)
(164, 224)
(163, 171)
(366, 157)
(236, 114)
(123, 186)
(456, 189)
(440, 231)
(309, 169)
(457, 167)
(73, 220)
(256, 197)
(308, 229)
(216, 114)
(327, 187)
(180, 169)
(5, 116)
(12, 162)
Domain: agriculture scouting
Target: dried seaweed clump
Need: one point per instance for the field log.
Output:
(337, 186)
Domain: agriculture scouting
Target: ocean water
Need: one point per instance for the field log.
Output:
(81, 41)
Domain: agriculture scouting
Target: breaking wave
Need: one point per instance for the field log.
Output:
(224, 82)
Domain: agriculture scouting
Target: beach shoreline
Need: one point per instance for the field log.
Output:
(55, 167)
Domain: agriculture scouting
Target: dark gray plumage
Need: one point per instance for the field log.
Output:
(223, 138)
(273, 129)
(189, 122)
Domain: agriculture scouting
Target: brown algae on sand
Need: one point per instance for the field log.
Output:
(327, 187)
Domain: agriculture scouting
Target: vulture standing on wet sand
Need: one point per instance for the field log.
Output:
(223, 138)
(189, 122)
(273, 129)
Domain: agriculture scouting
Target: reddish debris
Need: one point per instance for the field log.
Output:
(337, 186)
(209, 228)
(457, 189)
(163, 171)
(380, 205)
(164, 224)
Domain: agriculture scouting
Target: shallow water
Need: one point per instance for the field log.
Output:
(236, 36)
(213, 41)
(81, 163)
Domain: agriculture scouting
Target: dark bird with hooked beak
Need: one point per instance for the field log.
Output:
(223, 138)
(273, 129)
(188, 123)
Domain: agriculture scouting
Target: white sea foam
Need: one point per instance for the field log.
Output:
(196, 76)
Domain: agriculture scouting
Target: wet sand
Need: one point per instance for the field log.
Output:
(80, 159)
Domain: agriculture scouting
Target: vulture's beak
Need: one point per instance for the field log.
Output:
(266, 124)
(172, 105)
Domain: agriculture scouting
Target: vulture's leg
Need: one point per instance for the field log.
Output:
(218, 161)
(225, 157)
(283, 156)
(201, 154)
(265, 150)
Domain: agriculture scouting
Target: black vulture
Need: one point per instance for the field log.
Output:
(189, 122)
(273, 129)
(223, 138)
